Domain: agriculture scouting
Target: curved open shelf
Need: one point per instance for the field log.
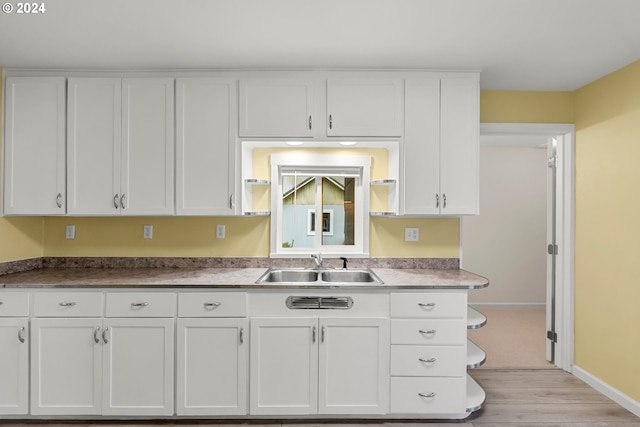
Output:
(475, 395)
(475, 319)
(475, 355)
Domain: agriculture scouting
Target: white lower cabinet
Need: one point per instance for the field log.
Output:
(307, 365)
(212, 366)
(14, 366)
(137, 367)
(66, 366)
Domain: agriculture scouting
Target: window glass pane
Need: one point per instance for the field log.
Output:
(338, 210)
(298, 203)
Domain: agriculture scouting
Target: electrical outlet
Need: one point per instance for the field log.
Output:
(147, 232)
(411, 234)
(220, 231)
(70, 232)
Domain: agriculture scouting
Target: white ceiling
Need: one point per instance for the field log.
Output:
(517, 44)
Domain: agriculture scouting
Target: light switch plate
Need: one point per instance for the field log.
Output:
(220, 231)
(411, 234)
(70, 232)
(147, 232)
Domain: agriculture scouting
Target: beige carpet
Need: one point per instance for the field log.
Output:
(513, 338)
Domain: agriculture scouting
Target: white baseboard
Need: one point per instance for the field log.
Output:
(509, 305)
(617, 396)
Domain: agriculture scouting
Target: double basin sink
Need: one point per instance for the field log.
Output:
(319, 276)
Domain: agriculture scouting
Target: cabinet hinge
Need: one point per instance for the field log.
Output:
(552, 249)
(552, 336)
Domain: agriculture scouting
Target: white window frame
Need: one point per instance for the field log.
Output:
(321, 165)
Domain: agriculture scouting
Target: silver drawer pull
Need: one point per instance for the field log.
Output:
(427, 394)
(429, 332)
(96, 331)
(432, 360)
(139, 304)
(67, 304)
(212, 305)
(427, 304)
(241, 336)
(104, 335)
(21, 334)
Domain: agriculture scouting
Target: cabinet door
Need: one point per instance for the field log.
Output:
(284, 366)
(147, 147)
(66, 366)
(138, 367)
(205, 154)
(14, 366)
(34, 153)
(364, 107)
(421, 148)
(354, 366)
(93, 150)
(212, 363)
(276, 107)
(459, 145)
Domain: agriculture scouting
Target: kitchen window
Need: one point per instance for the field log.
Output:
(303, 185)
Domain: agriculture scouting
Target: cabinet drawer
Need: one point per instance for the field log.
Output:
(428, 331)
(428, 361)
(141, 304)
(14, 304)
(429, 305)
(68, 304)
(428, 395)
(212, 304)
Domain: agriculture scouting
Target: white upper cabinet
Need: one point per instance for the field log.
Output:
(459, 145)
(34, 153)
(276, 108)
(205, 146)
(440, 147)
(364, 107)
(147, 147)
(120, 146)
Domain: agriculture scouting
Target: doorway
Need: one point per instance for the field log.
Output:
(554, 289)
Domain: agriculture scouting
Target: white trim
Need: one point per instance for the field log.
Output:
(616, 395)
(564, 351)
(508, 305)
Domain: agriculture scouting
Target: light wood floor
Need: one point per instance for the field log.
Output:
(515, 397)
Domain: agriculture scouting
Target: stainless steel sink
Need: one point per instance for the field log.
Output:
(350, 276)
(281, 275)
(318, 276)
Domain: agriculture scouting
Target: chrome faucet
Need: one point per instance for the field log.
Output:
(318, 260)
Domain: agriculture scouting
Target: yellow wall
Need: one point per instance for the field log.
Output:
(20, 238)
(607, 342)
(500, 106)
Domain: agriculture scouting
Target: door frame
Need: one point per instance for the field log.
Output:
(564, 312)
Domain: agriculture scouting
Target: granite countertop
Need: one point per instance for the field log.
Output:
(228, 278)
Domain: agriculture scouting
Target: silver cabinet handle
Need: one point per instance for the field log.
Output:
(96, 331)
(322, 334)
(21, 334)
(427, 394)
(444, 201)
(241, 335)
(211, 305)
(115, 201)
(309, 122)
(67, 303)
(59, 200)
(123, 199)
(1, 302)
(231, 204)
(427, 304)
(330, 122)
(431, 360)
(104, 335)
(429, 332)
(437, 200)
(139, 304)
(313, 334)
